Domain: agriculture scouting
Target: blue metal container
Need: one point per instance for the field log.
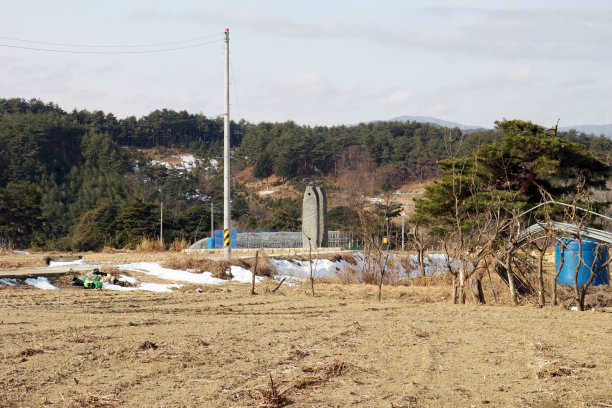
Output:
(210, 243)
(591, 261)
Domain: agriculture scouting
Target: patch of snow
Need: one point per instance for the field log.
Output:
(21, 252)
(9, 281)
(148, 286)
(374, 200)
(201, 197)
(239, 274)
(575, 309)
(266, 192)
(128, 279)
(324, 268)
(41, 283)
(77, 262)
(111, 286)
(321, 268)
(214, 163)
(155, 269)
(188, 162)
(243, 275)
(161, 163)
(158, 287)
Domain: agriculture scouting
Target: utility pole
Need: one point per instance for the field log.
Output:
(161, 223)
(212, 220)
(227, 248)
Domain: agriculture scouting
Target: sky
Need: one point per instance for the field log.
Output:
(317, 62)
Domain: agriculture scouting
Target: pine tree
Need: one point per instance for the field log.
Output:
(264, 166)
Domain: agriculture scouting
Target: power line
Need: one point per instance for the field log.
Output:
(110, 46)
(110, 52)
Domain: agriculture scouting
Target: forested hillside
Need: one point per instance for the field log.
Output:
(79, 180)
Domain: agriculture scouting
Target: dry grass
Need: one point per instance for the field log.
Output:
(15, 261)
(147, 345)
(149, 245)
(334, 369)
(178, 245)
(94, 401)
(30, 351)
(219, 269)
(264, 266)
(318, 375)
(272, 397)
(350, 259)
(197, 288)
(434, 280)
(77, 337)
(12, 398)
(546, 363)
(340, 348)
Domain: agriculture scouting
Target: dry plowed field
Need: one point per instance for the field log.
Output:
(221, 347)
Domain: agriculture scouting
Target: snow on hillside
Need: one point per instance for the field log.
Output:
(186, 162)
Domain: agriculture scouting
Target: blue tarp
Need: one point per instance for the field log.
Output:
(219, 239)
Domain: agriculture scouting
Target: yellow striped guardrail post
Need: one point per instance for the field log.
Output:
(226, 238)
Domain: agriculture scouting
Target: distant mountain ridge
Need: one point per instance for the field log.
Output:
(435, 121)
(591, 129)
(588, 129)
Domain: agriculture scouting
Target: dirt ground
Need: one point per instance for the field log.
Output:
(221, 347)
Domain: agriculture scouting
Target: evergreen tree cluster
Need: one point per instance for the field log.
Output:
(526, 166)
(76, 180)
(159, 128)
(67, 181)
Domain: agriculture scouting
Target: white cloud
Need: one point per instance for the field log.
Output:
(560, 33)
(397, 97)
(521, 74)
(437, 109)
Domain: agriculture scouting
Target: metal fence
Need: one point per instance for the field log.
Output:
(288, 239)
(340, 239)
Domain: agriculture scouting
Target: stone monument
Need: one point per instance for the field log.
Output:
(314, 218)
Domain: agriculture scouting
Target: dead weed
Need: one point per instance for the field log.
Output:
(178, 245)
(272, 397)
(93, 401)
(30, 351)
(219, 269)
(78, 337)
(546, 363)
(319, 374)
(147, 345)
(149, 245)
